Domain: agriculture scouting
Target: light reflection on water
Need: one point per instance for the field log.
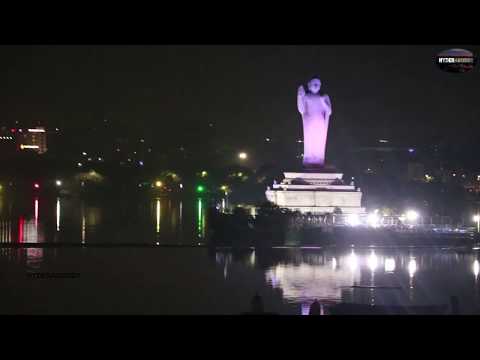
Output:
(84, 223)
(425, 276)
(158, 212)
(78, 221)
(34, 257)
(389, 265)
(58, 213)
(200, 219)
(308, 281)
(377, 277)
(161, 220)
(5, 231)
(291, 278)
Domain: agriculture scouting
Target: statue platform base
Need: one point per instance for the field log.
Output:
(316, 193)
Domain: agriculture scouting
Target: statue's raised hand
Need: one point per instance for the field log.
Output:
(301, 91)
(301, 99)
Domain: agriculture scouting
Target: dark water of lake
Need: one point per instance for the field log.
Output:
(193, 279)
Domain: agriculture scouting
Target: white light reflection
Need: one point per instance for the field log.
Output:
(373, 219)
(353, 220)
(252, 258)
(279, 271)
(389, 265)
(34, 257)
(180, 212)
(30, 232)
(307, 282)
(200, 219)
(353, 261)
(83, 224)
(58, 214)
(334, 264)
(5, 235)
(412, 267)
(372, 261)
(412, 215)
(158, 216)
(36, 212)
(476, 268)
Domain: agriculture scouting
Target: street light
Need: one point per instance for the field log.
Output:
(476, 218)
(242, 156)
(158, 184)
(58, 182)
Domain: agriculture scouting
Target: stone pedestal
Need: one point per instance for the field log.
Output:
(316, 192)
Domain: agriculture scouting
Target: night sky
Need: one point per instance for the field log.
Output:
(247, 92)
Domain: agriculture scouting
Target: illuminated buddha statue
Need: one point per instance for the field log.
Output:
(316, 110)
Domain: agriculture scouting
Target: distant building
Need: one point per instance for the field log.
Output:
(473, 187)
(7, 142)
(32, 139)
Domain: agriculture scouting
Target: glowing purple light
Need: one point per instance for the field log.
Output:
(411, 150)
(305, 309)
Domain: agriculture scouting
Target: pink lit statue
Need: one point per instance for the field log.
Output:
(316, 110)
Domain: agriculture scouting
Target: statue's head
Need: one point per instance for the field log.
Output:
(314, 85)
